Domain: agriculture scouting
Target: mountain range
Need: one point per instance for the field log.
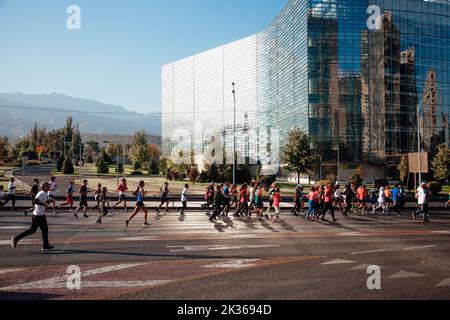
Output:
(107, 119)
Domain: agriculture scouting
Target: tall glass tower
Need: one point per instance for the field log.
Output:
(358, 76)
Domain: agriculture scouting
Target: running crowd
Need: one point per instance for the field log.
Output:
(246, 200)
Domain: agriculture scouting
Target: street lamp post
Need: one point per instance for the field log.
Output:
(234, 136)
(338, 163)
(419, 147)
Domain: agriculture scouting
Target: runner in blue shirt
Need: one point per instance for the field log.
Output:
(396, 199)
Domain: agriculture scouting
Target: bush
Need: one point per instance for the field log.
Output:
(31, 154)
(435, 187)
(90, 159)
(137, 173)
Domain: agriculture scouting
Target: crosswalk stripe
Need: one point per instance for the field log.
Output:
(406, 274)
(216, 247)
(337, 261)
(233, 264)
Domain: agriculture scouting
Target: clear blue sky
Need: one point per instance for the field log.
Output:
(117, 55)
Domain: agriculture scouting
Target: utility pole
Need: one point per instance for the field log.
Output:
(234, 136)
(117, 163)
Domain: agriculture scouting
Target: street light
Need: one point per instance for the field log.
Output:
(234, 136)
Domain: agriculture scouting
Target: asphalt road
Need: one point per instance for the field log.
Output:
(192, 258)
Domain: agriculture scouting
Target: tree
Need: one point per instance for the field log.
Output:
(67, 167)
(154, 151)
(163, 166)
(297, 154)
(403, 169)
(59, 164)
(153, 166)
(4, 146)
(193, 173)
(441, 163)
(358, 176)
(102, 165)
(139, 148)
(213, 173)
(92, 149)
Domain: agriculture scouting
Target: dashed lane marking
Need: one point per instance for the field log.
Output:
(143, 238)
(393, 250)
(13, 228)
(420, 247)
(406, 274)
(216, 247)
(353, 234)
(234, 264)
(337, 261)
(90, 284)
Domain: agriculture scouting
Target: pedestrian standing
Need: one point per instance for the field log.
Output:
(122, 188)
(11, 194)
(140, 194)
(33, 193)
(83, 191)
(38, 219)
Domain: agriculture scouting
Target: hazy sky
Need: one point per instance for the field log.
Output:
(117, 55)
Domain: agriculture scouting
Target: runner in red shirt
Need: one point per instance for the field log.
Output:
(122, 188)
(328, 202)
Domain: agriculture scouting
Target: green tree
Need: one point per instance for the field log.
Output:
(193, 173)
(213, 173)
(163, 166)
(102, 165)
(441, 163)
(60, 163)
(139, 148)
(67, 167)
(403, 169)
(297, 155)
(4, 146)
(153, 166)
(92, 148)
(358, 176)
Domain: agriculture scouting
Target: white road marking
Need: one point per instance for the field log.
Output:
(27, 241)
(406, 274)
(336, 261)
(234, 264)
(371, 251)
(217, 247)
(47, 283)
(143, 238)
(13, 228)
(90, 284)
(5, 271)
(364, 267)
(248, 236)
(441, 231)
(353, 234)
(420, 247)
(445, 283)
(393, 250)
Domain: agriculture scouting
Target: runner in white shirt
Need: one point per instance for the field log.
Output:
(52, 192)
(381, 202)
(38, 219)
(422, 197)
(11, 194)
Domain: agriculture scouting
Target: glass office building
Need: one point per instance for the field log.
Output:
(363, 78)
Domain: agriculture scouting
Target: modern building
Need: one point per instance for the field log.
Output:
(357, 75)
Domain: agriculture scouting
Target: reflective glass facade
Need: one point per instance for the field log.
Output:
(357, 82)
